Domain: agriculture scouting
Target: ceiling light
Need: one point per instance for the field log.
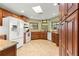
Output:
(37, 9)
(55, 4)
(22, 11)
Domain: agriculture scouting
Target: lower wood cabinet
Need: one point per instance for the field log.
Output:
(3, 37)
(11, 51)
(38, 35)
(55, 38)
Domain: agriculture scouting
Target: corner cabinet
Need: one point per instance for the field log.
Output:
(69, 31)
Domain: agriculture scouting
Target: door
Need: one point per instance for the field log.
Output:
(71, 42)
(63, 39)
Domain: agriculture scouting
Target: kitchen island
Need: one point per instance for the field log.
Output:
(7, 48)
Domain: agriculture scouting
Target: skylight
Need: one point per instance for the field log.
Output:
(37, 9)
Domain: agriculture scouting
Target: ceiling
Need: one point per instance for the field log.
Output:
(49, 9)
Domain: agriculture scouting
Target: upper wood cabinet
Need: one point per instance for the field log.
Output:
(71, 7)
(63, 11)
(6, 13)
(3, 14)
(67, 9)
(0, 17)
(24, 18)
(69, 30)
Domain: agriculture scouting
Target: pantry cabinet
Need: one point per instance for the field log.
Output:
(69, 31)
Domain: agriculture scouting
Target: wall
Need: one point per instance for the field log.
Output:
(55, 19)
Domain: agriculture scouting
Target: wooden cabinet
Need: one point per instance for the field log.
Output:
(24, 18)
(67, 9)
(55, 38)
(0, 17)
(6, 13)
(38, 35)
(3, 37)
(3, 13)
(63, 38)
(72, 40)
(63, 11)
(68, 32)
(10, 51)
(71, 7)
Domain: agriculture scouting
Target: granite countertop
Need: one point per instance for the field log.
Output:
(4, 44)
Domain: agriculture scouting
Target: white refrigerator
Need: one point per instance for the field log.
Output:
(14, 29)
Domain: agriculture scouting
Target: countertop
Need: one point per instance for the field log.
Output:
(2, 34)
(4, 44)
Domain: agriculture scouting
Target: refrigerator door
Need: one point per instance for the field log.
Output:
(49, 36)
(14, 30)
(20, 33)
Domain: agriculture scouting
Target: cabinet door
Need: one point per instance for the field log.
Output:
(6, 13)
(72, 35)
(63, 10)
(60, 40)
(3, 37)
(0, 17)
(63, 38)
(71, 7)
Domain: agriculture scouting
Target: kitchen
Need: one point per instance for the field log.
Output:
(21, 29)
(43, 29)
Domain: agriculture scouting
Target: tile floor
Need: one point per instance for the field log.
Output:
(38, 48)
